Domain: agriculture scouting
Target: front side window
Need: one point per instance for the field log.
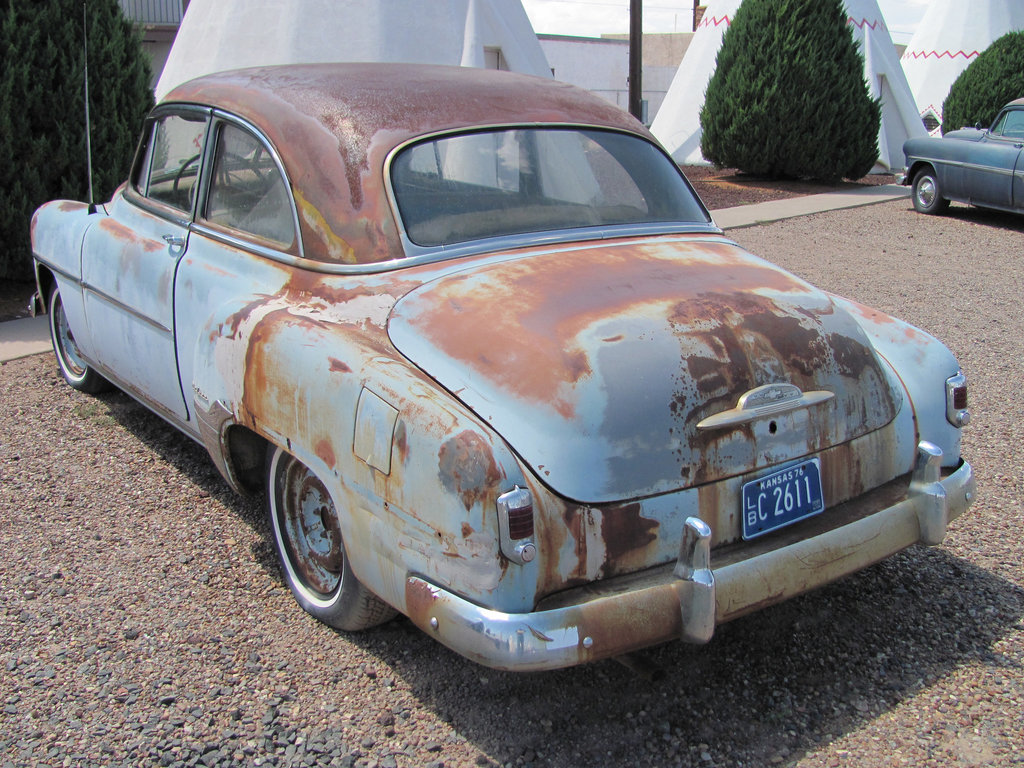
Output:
(247, 190)
(1011, 124)
(169, 171)
(465, 187)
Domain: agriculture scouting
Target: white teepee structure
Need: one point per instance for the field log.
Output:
(950, 36)
(228, 34)
(677, 124)
(882, 70)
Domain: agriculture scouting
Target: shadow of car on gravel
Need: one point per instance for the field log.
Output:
(769, 688)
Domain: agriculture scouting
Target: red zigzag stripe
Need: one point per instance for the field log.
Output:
(708, 21)
(939, 54)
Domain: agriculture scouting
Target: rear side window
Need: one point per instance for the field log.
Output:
(169, 171)
(247, 191)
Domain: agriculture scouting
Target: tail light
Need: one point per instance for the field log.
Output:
(956, 400)
(515, 525)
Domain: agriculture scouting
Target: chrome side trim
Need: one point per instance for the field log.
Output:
(57, 270)
(965, 165)
(102, 295)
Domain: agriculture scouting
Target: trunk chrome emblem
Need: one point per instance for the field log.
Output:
(769, 400)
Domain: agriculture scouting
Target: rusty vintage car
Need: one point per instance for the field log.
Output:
(493, 363)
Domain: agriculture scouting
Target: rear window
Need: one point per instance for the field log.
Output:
(507, 182)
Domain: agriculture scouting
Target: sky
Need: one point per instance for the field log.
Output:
(591, 18)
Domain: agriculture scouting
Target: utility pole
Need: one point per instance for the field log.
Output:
(636, 58)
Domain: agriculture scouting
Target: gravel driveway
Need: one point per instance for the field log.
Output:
(144, 621)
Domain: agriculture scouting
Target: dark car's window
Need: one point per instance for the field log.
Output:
(492, 183)
(169, 170)
(247, 191)
(1011, 124)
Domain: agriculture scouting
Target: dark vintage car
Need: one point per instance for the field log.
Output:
(977, 166)
(493, 364)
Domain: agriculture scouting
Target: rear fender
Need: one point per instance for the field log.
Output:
(922, 363)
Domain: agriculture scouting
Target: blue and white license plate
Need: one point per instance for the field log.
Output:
(781, 498)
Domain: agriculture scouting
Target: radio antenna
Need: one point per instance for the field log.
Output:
(88, 139)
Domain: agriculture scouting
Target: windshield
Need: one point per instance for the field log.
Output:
(506, 182)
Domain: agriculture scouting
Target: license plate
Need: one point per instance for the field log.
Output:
(781, 498)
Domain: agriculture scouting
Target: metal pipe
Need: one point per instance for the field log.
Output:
(88, 137)
(642, 666)
(636, 34)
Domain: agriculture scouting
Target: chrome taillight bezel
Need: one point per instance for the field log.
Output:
(516, 525)
(956, 400)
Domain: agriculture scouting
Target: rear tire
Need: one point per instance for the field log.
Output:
(927, 193)
(73, 368)
(309, 544)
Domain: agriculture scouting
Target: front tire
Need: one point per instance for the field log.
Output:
(927, 192)
(311, 550)
(73, 368)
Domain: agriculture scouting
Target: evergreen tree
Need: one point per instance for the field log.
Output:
(42, 110)
(788, 98)
(993, 79)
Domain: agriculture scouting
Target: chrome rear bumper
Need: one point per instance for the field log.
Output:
(696, 597)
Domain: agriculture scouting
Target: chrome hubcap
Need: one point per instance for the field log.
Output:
(926, 191)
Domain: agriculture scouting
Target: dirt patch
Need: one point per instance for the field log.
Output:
(728, 187)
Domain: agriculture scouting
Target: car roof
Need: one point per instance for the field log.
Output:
(334, 125)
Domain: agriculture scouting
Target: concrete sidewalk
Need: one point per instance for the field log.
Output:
(30, 336)
(24, 337)
(776, 210)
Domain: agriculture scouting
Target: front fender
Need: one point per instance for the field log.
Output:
(58, 230)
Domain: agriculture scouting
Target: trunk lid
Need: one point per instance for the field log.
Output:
(596, 363)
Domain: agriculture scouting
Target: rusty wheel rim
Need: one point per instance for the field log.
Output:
(308, 530)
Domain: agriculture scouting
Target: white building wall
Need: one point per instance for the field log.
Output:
(601, 66)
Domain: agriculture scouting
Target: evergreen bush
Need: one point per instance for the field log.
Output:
(42, 110)
(993, 79)
(788, 98)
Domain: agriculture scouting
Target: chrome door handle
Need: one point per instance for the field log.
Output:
(174, 241)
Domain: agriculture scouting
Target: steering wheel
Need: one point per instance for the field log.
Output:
(192, 161)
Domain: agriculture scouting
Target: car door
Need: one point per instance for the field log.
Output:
(992, 162)
(130, 259)
(244, 238)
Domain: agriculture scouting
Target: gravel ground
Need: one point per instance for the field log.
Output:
(144, 621)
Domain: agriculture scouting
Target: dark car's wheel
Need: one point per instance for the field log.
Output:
(307, 536)
(73, 367)
(927, 192)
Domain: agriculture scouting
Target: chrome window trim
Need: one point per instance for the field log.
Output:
(412, 249)
(242, 238)
(572, 243)
(228, 238)
(140, 198)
